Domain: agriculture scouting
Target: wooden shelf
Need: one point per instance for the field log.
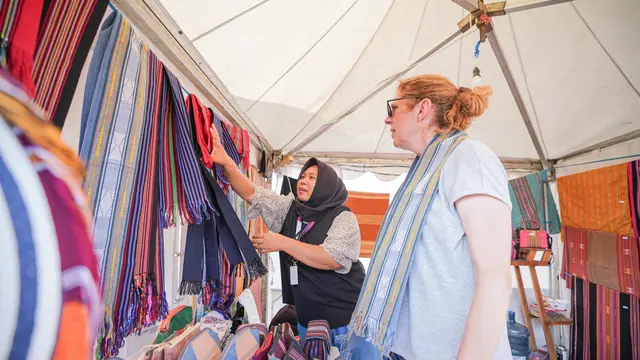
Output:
(533, 257)
(554, 318)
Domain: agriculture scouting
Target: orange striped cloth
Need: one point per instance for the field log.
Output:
(369, 209)
(597, 200)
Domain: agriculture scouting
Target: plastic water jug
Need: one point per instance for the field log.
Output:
(518, 337)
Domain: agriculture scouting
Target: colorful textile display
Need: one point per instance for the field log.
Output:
(634, 195)
(66, 33)
(121, 121)
(369, 209)
(47, 267)
(222, 230)
(373, 317)
(204, 346)
(597, 200)
(44, 45)
(295, 352)
(183, 191)
(604, 259)
(606, 323)
(527, 197)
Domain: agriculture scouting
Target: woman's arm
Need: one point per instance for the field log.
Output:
(487, 223)
(241, 184)
(311, 255)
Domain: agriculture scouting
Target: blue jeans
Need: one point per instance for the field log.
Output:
(339, 337)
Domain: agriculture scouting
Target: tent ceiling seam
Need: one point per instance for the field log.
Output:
(384, 129)
(343, 79)
(415, 38)
(460, 55)
(212, 30)
(615, 63)
(373, 93)
(526, 85)
(303, 55)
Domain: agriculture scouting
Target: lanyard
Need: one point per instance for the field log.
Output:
(300, 233)
(305, 230)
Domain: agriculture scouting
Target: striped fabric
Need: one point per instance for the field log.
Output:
(283, 337)
(605, 259)
(64, 41)
(369, 209)
(188, 189)
(295, 351)
(606, 323)
(20, 20)
(526, 194)
(384, 285)
(240, 138)
(30, 260)
(317, 341)
(80, 312)
(634, 195)
(597, 200)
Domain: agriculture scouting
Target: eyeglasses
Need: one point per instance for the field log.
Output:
(390, 110)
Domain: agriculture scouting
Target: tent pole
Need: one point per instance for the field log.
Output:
(607, 143)
(390, 80)
(517, 96)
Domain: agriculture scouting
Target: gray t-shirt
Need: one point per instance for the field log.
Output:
(441, 282)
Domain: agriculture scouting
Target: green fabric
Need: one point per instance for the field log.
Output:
(527, 200)
(177, 321)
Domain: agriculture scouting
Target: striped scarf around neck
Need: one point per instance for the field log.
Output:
(375, 317)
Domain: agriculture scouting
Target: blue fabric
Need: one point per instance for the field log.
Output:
(338, 337)
(28, 264)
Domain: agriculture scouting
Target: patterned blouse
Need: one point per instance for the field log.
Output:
(343, 239)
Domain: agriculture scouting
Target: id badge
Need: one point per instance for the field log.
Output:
(293, 275)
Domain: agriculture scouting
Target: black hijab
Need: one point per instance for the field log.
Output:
(328, 193)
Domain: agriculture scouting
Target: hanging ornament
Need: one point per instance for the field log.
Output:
(476, 51)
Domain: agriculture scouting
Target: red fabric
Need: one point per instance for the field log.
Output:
(22, 48)
(261, 354)
(202, 119)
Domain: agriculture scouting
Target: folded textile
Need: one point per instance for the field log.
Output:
(245, 342)
(528, 202)
(204, 346)
(597, 200)
(241, 140)
(295, 351)
(317, 341)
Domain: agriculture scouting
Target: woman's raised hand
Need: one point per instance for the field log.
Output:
(218, 154)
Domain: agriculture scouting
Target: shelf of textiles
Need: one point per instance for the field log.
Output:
(215, 337)
(601, 261)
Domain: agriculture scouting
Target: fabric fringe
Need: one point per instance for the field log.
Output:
(190, 287)
(256, 269)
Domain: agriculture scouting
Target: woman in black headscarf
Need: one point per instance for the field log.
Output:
(317, 236)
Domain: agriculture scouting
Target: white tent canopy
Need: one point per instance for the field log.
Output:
(313, 76)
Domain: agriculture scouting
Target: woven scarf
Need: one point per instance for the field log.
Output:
(528, 198)
(187, 193)
(202, 254)
(240, 138)
(66, 34)
(317, 340)
(375, 316)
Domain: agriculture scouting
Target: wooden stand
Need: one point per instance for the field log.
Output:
(533, 258)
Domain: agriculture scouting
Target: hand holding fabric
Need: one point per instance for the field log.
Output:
(268, 242)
